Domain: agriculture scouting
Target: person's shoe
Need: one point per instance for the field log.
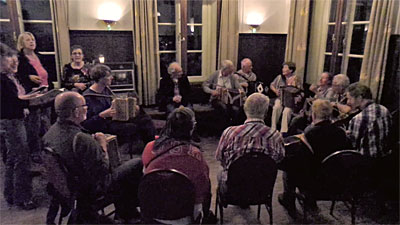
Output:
(10, 201)
(27, 205)
(290, 207)
(196, 138)
(34, 173)
(244, 206)
(36, 158)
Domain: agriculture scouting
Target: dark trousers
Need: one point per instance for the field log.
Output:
(228, 114)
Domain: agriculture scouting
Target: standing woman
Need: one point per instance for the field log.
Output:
(17, 181)
(32, 75)
(75, 76)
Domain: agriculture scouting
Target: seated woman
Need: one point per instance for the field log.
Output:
(174, 150)
(136, 132)
(75, 76)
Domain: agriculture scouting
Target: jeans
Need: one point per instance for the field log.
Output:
(37, 124)
(17, 182)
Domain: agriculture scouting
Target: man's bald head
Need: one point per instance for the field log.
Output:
(66, 103)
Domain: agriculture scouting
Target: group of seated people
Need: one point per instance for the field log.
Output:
(85, 113)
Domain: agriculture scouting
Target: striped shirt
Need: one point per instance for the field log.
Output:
(369, 130)
(252, 136)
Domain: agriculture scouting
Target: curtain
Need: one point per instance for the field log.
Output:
(145, 47)
(296, 43)
(62, 33)
(376, 46)
(229, 31)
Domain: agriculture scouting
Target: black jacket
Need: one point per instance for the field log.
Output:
(11, 106)
(25, 69)
(166, 92)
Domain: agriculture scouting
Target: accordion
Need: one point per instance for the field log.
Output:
(45, 98)
(231, 97)
(125, 108)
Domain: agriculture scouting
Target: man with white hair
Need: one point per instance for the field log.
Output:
(252, 136)
(245, 75)
(174, 90)
(223, 79)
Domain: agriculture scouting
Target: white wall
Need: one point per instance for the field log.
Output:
(274, 13)
(82, 15)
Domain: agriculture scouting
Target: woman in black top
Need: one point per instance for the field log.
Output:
(75, 74)
(14, 101)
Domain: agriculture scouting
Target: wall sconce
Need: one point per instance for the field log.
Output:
(254, 20)
(109, 13)
(102, 59)
(254, 27)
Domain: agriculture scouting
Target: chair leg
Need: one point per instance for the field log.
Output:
(269, 209)
(258, 212)
(332, 207)
(353, 211)
(221, 212)
(304, 213)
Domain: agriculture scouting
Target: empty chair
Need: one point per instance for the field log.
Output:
(342, 177)
(166, 195)
(251, 180)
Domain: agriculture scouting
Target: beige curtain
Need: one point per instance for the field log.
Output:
(376, 46)
(62, 33)
(145, 47)
(229, 31)
(296, 43)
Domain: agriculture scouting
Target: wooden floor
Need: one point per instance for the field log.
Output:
(368, 213)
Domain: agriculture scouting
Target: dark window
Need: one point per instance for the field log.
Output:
(36, 9)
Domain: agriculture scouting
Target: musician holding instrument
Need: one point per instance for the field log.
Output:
(222, 85)
(245, 76)
(288, 89)
(17, 181)
(136, 132)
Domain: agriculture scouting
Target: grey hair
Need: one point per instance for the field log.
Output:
(256, 106)
(341, 80)
(225, 64)
(322, 109)
(172, 67)
(246, 60)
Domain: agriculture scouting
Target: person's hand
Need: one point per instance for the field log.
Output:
(214, 93)
(110, 112)
(80, 86)
(245, 84)
(177, 98)
(35, 79)
(101, 139)
(29, 96)
(297, 99)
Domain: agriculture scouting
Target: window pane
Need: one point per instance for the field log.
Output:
(3, 10)
(358, 39)
(6, 34)
(166, 11)
(36, 9)
(354, 69)
(194, 8)
(194, 64)
(166, 37)
(165, 60)
(328, 63)
(194, 38)
(49, 63)
(363, 10)
(329, 43)
(332, 14)
(43, 33)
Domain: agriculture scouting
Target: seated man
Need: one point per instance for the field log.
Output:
(323, 89)
(338, 100)
(252, 136)
(286, 100)
(174, 150)
(245, 76)
(369, 129)
(86, 159)
(174, 90)
(220, 85)
(135, 132)
(322, 138)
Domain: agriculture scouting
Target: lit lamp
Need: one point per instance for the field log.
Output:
(109, 13)
(102, 59)
(254, 20)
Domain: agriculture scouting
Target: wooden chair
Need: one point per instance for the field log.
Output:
(166, 195)
(251, 180)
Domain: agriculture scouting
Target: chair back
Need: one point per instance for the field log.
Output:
(166, 195)
(251, 179)
(342, 174)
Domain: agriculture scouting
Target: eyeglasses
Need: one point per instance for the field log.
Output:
(84, 106)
